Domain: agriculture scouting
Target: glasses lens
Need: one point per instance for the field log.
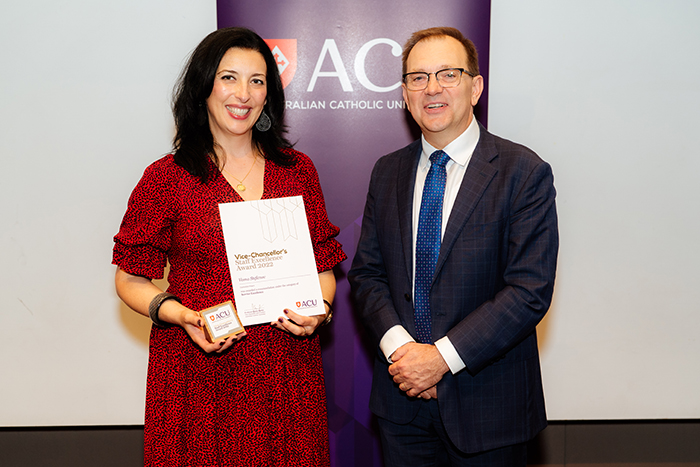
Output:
(417, 81)
(449, 77)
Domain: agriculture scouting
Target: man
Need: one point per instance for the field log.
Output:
(454, 269)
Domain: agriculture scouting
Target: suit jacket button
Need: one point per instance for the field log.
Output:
(407, 297)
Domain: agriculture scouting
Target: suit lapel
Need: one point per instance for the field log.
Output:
(408, 166)
(477, 178)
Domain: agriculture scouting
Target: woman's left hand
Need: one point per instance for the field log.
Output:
(304, 326)
(298, 325)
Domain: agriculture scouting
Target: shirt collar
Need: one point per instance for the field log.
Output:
(460, 149)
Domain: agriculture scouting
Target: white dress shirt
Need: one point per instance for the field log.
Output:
(460, 151)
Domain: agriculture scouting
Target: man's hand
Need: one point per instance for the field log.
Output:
(417, 367)
(430, 393)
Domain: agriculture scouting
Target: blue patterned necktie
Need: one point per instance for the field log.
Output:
(428, 241)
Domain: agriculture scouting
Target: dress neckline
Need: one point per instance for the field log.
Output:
(221, 180)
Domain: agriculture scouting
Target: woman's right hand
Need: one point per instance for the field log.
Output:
(138, 292)
(193, 324)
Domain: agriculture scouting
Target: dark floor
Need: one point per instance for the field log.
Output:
(575, 444)
(624, 443)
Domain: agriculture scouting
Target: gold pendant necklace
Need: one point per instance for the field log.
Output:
(241, 186)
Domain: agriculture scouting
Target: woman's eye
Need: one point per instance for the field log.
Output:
(259, 82)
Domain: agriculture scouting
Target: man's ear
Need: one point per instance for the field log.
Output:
(404, 92)
(477, 88)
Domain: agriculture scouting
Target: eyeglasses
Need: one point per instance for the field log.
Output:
(447, 78)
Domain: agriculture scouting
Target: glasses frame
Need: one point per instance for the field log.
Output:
(427, 82)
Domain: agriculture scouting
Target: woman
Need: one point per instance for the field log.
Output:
(258, 398)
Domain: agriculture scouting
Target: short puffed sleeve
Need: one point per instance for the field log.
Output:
(143, 241)
(327, 250)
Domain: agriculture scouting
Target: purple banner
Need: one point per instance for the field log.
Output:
(341, 66)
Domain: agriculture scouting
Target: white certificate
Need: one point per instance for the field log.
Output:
(271, 259)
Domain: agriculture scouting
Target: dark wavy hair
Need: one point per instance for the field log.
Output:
(193, 143)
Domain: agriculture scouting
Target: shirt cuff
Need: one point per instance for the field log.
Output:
(394, 338)
(449, 353)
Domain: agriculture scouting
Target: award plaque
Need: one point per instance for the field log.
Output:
(221, 321)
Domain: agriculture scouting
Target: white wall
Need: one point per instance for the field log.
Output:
(605, 91)
(608, 92)
(84, 107)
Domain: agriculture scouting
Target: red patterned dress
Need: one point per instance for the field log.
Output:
(262, 402)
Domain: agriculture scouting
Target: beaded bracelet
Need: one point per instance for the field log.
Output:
(154, 308)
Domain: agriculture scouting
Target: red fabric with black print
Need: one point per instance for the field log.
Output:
(263, 401)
